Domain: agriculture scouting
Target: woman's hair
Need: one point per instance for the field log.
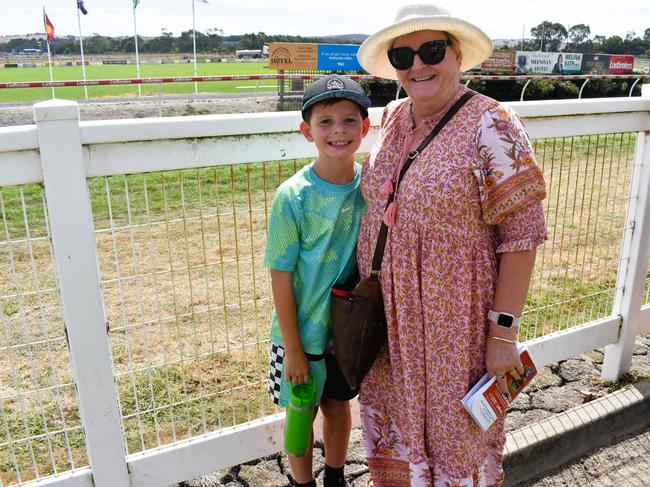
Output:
(455, 45)
(559, 56)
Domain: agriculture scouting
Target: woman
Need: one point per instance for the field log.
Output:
(461, 245)
(559, 65)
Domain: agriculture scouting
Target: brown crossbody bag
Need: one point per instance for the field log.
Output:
(357, 308)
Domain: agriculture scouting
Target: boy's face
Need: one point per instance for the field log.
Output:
(336, 129)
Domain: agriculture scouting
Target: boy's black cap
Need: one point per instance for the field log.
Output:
(334, 86)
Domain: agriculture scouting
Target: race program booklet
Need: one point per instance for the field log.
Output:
(485, 402)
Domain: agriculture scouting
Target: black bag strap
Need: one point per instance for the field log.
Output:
(383, 231)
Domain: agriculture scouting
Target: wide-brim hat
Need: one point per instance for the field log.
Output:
(474, 44)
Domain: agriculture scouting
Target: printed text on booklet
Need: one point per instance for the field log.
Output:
(485, 402)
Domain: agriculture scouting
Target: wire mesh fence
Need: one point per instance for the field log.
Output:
(40, 429)
(188, 300)
(187, 296)
(588, 183)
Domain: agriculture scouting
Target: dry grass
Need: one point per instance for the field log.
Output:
(188, 303)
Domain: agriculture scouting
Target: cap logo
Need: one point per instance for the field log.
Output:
(334, 84)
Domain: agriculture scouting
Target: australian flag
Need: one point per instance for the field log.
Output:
(80, 6)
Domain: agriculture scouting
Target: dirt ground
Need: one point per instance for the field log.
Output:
(22, 114)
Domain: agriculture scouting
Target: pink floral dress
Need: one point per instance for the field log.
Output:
(472, 194)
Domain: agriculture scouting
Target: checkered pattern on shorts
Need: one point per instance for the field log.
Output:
(276, 362)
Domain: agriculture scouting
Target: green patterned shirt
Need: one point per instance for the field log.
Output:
(312, 233)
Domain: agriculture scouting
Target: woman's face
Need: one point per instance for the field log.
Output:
(559, 58)
(427, 83)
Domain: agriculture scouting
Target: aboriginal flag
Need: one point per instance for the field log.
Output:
(49, 28)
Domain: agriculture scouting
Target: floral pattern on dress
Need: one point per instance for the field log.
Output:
(508, 177)
(438, 279)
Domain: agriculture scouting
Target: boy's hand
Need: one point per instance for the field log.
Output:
(296, 368)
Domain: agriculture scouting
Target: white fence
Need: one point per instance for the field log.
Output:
(134, 306)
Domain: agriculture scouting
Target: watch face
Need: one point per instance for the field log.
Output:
(505, 320)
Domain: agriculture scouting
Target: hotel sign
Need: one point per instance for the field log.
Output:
(311, 57)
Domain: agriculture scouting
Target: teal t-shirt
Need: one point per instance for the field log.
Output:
(312, 233)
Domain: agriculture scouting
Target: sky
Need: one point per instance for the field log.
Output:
(499, 19)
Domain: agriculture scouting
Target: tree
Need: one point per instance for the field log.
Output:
(549, 35)
(215, 39)
(97, 44)
(255, 41)
(163, 44)
(613, 45)
(579, 33)
(646, 35)
(127, 44)
(186, 43)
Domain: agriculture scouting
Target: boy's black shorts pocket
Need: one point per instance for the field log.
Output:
(336, 386)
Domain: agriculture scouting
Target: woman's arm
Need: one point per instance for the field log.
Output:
(296, 367)
(515, 271)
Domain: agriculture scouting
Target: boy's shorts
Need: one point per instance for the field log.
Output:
(324, 370)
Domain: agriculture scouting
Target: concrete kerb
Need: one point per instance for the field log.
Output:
(539, 448)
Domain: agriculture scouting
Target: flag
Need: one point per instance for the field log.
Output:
(80, 6)
(49, 28)
(135, 3)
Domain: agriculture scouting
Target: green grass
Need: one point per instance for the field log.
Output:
(60, 73)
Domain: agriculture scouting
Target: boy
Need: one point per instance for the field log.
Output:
(311, 245)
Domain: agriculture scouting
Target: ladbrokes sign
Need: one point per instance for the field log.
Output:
(620, 64)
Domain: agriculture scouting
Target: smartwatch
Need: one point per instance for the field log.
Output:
(504, 320)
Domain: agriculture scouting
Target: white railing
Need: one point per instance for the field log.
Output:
(119, 232)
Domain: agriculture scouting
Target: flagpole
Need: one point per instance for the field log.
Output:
(196, 85)
(49, 55)
(81, 45)
(137, 56)
(49, 63)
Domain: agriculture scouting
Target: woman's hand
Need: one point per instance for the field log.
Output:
(296, 367)
(500, 359)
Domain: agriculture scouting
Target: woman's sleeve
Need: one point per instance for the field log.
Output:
(523, 230)
(511, 184)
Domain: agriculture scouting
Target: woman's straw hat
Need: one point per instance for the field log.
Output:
(475, 45)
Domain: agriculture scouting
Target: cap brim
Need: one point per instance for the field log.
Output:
(358, 98)
(475, 44)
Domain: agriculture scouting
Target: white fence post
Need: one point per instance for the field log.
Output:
(634, 265)
(75, 252)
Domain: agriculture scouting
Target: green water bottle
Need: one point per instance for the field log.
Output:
(300, 415)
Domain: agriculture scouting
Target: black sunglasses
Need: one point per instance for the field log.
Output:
(431, 52)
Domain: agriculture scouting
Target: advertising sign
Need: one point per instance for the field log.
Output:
(642, 65)
(338, 57)
(290, 55)
(595, 63)
(500, 62)
(572, 63)
(548, 62)
(620, 64)
(323, 57)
